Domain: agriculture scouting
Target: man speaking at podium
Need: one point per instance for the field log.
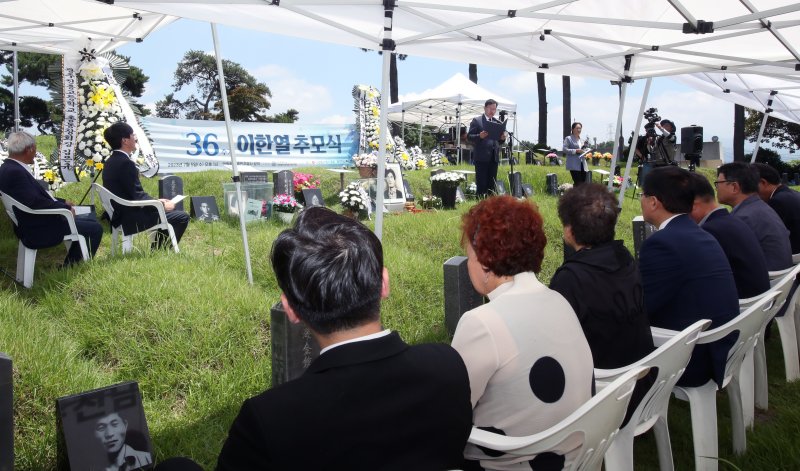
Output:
(486, 134)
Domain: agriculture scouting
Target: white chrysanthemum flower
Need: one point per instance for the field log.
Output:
(81, 145)
(104, 152)
(87, 152)
(97, 147)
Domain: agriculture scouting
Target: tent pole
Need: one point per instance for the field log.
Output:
(403, 125)
(421, 117)
(761, 132)
(633, 144)
(16, 93)
(615, 149)
(231, 145)
(458, 133)
(387, 47)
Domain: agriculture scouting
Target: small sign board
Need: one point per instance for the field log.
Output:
(313, 197)
(204, 208)
(104, 429)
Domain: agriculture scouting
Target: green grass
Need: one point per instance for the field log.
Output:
(196, 337)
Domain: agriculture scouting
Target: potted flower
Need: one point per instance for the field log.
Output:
(472, 190)
(303, 181)
(354, 199)
(444, 185)
(596, 158)
(367, 164)
(285, 206)
(430, 202)
(608, 157)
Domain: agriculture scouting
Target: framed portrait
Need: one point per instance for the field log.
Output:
(204, 208)
(393, 192)
(527, 190)
(313, 197)
(232, 204)
(104, 429)
(253, 210)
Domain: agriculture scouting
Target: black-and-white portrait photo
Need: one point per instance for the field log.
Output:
(105, 429)
(232, 203)
(394, 184)
(204, 208)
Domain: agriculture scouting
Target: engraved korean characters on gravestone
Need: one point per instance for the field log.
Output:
(284, 182)
(641, 231)
(552, 184)
(293, 347)
(169, 187)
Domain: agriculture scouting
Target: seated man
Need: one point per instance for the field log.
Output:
(612, 314)
(737, 240)
(685, 274)
(121, 177)
(737, 186)
(38, 232)
(781, 198)
(369, 401)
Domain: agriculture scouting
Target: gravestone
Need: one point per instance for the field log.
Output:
(527, 190)
(253, 177)
(785, 178)
(284, 182)
(169, 187)
(313, 197)
(293, 347)
(500, 187)
(515, 182)
(641, 231)
(459, 295)
(551, 184)
(6, 414)
(589, 176)
(407, 188)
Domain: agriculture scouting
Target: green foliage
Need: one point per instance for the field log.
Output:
(411, 137)
(196, 336)
(779, 133)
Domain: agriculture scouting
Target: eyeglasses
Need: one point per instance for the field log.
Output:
(716, 183)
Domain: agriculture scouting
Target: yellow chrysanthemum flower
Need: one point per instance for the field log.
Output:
(103, 97)
(98, 166)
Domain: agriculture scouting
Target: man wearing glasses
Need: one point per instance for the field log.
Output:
(737, 186)
(685, 274)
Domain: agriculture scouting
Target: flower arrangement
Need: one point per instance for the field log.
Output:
(354, 197)
(304, 181)
(472, 190)
(608, 156)
(450, 179)
(436, 158)
(431, 202)
(563, 188)
(99, 108)
(368, 103)
(366, 160)
(284, 203)
(420, 163)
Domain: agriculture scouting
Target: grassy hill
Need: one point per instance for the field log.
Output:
(196, 336)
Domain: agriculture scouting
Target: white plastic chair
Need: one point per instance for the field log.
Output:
(671, 359)
(597, 422)
(702, 399)
(106, 197)
(26, 257)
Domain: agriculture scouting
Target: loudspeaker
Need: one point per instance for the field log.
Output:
(692, 140)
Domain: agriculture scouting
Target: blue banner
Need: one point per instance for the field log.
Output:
(183, 145)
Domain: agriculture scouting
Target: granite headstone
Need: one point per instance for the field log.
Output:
(459, 295)
(407, 188)
(515, 183)
(589, 176)
(169, 187)
(552, 184)
(500, 187)
(284, 182)
(293, 347)
(313, 197)
(527, 190)
(253, 177)
(6, 413)
(641, 231)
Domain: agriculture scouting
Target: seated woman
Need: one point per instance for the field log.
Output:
(528, 361)
(601, 280)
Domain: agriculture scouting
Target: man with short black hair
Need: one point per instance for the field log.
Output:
(737, 186)
(369, 401)
(737, 240)
(486, 151)
(685, 274)
(38, 232)
(121, 177)
(784, 200)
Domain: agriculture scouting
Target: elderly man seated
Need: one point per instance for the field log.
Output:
(37, 232)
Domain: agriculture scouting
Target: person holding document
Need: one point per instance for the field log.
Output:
(574, 150)
(486, 134)
(121, 177)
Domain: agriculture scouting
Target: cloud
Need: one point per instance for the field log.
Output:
(312, 100)
(335, 119)
(525, 82)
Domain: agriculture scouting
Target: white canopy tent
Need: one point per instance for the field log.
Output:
(451, 103)
(621, 41)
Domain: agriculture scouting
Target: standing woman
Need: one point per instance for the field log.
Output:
(573, 145)
(529, 363)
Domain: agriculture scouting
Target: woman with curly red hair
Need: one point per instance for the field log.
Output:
(528, 361)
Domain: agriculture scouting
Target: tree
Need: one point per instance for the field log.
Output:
(290, 116)
(542, 107)
(198, 70)
(779, 133)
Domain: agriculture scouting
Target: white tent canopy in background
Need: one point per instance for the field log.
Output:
(66, 26)
(440, 104)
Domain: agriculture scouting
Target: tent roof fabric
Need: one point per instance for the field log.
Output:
(438, 106)
(619, 40)
(67, 26)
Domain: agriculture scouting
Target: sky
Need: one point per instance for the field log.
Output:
(317, 78)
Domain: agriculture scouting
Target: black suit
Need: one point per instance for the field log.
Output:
(485, 155)
(686, 277)
(370, 405)
(38, 232)
(786, 202)
(121, 177)
(743, 251)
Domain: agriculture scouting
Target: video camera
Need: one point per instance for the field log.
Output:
(652, 146)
